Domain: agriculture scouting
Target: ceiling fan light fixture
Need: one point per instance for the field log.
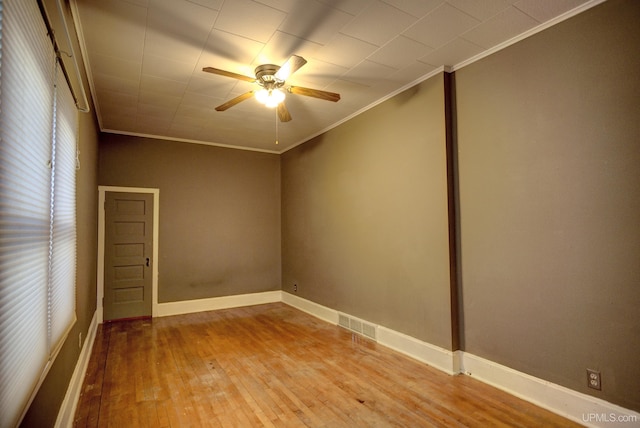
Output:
(270, 97)
(272, 81)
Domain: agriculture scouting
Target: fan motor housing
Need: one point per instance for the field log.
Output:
(265, 76)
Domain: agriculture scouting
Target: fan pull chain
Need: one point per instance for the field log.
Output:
(276, 110)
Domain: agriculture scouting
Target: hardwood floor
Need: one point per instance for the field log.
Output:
(272, 365)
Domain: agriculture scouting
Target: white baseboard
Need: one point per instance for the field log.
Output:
(312, 308)
(70, 403)
(427, 353)
(435, 356)
(581, 408)
(216, 303)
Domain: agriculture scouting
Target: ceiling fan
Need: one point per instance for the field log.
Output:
(272, 80)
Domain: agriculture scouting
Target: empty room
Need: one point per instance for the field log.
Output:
(319, 213)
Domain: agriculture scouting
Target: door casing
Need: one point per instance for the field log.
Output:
(101, 243)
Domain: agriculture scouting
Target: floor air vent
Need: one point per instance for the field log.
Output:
(357, 326)
(343, 321)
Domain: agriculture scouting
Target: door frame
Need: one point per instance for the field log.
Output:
(101, 242)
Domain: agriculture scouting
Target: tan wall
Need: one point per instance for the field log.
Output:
(549, 157)
(365, 216)
(219, 213)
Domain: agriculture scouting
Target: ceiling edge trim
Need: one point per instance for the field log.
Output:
(75, 12)
(449, 69)
(558, 19)
(75, 16)
(186, 140)
(419, 80)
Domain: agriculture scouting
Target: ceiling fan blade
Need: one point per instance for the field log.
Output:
(283, 113)
(234, 101)
(291, 66)
(315, 93)
(229, 74)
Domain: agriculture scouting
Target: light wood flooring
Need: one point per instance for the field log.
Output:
(272, 365)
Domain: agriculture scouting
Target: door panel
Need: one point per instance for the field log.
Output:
(127, 255)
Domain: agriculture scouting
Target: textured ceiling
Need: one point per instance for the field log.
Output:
(145, 58)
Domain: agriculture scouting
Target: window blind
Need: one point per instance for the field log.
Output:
(62, 275)
(37, 207)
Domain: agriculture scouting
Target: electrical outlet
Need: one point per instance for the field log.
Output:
(594, 379)
(295, 287)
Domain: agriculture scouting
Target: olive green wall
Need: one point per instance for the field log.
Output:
(219, 213)
(549, 159)
(365, 220)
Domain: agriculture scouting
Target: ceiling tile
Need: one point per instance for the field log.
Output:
(201, 110)
(282, 45)
(317, 73)
(345, 51)
(502, 27)
(119, 122)
(145, 58)
(180, 18)
(452, 53)
(311, 20)
(441, 26)
(368, 73)
(283, 5)
(229, 52)
(182, 132)
(117, 100)
(169, 46)
(183, 120)
(152, 97)
(412, 73)
(417, 8)
(481, 9)
(211, 4)
(144, 3)
(123, 112)
(148, 125)
(356, 92)
(116, 67)
(110, 34)
(378, 23)
(220, 86)
(249, 19)
(400, 52)
(108, 83)
(352, 7)
(544, 10)
(162, 86)
(166, 68)
(178, 29)
(160, 112)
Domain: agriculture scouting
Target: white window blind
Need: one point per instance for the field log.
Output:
(37, 221)
(62, 275)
